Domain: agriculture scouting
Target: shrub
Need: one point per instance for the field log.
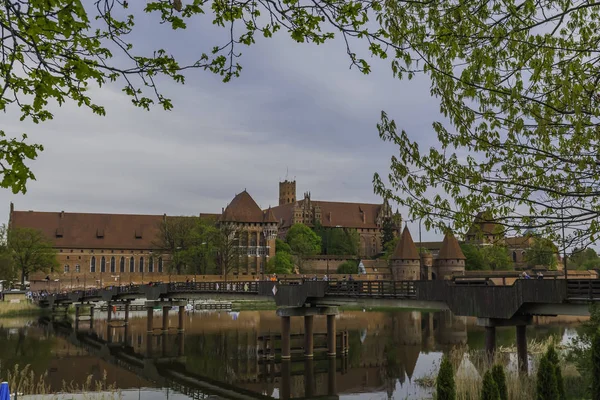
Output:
(500, 380)
(547, 388)
(348, 267)
(490, 389)
(555, 361)
(596, 366)
(445, 386)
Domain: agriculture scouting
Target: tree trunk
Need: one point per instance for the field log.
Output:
(23, 278)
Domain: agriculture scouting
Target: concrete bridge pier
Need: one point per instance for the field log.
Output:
(331, 346)
(166, 306)
(308, 336)
(520, 322)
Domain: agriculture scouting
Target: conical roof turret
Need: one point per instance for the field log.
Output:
(405, 248)
(450, 249)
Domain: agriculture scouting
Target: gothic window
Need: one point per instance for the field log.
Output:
(77, 268)
(160, 264)
(122, 264)
(66, 268)
(151, 264)
(253, 239)
(132, 264)
(93, 264)
(141, 264)
(103, 264)
(514, 254)
(113, 265)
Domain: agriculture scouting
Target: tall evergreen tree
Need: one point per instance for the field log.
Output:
(387, 232)
(547, 389)
(489, 391)
(555, 361)
(445, 386)
(500, 379)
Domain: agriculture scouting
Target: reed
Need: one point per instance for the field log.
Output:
(17, 309)
(24, 381)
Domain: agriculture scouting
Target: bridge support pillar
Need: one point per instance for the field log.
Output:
(91, 317)
(490, 343)
(149, 319)
(331, 347)
(522, 349)
(126, 313)
(308, 336)
(181, 313)
(285, 338)
(165, 324)
(109, 309)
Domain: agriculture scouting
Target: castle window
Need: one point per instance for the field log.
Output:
(93, 264)
(122, 264)
(141, 264)
(103, 264)
(113, 265)
(514, 256)
(131, 264)
(160, 264)
(151, 264)
(67, 257)
(77, 268)
(66, 268)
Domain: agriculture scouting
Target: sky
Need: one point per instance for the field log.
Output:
(296, 111)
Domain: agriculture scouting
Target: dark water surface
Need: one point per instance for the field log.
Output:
(231, 351)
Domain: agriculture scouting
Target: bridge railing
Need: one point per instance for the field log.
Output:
(215, 287)
(583, 289)
(375, 289)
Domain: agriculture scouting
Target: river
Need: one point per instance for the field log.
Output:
(387, 353)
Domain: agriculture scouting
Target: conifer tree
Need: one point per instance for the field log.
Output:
(500, 379)
(596, 366)
(555, 361)
(445, 386)
(547, 388)
(490, 389)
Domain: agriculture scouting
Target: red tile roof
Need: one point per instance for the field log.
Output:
(243, 208)
(92, 231)
(450, 249)
(405, 248)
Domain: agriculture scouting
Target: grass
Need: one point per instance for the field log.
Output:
(468, 382)
(8, 310)
(24, 381)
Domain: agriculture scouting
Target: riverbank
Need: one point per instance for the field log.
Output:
(8, 310)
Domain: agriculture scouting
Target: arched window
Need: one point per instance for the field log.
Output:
(113, 265)
(122, 264)
(141, 264)
(514, 256)
(93, 264)
(160, 264)
(151, 264)
(132, 264)
(103, 264)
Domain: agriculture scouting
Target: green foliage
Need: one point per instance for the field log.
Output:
(281, 246)
(595, 361)
(580, 351)
(500, 379)
(555, 361)
(388, 232)
(8, 272)
(31, 251)
(280, 264)
(303, 241)
(338, 241)
(541, 252)
(389, 248)
(348, 267)
(482, 258)
(489, 391)
(584, 259)
(445, 386)
(547, 387)
(474, 258)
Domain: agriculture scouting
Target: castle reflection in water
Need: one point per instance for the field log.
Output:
(385, 351)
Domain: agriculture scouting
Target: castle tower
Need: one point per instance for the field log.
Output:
(405, 263)
(287, 192)
(451, 259)
(426, 266)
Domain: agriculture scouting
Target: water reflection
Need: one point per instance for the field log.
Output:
(219, 352)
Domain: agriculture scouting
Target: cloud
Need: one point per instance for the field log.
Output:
(296, 108)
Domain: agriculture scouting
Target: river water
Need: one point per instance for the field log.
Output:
(387, 353)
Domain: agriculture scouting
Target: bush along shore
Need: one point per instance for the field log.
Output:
(23, 308)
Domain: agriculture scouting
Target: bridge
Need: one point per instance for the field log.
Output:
(493, 305)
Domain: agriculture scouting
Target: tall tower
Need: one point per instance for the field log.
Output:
(287, 192)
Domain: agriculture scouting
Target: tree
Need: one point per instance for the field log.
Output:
(489, 391)
(595, 355)
(445, 386)
(7, 267)
(31, 251)
(581, 349)
(228, 248)
(387, 232)
(497, 257)
(474, 258)
(280, 264)
(500, 379)
(338, 241)
(555, 361)
(199, 253)
(173, 241)
(584, 259)
(281, 246)
(303, 242)
(348, 267)
(388, 250)
(542, 252)
(547, 388)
